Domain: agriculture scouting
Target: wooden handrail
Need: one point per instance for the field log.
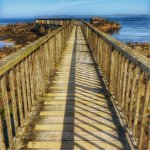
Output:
(136, 57)
(127, 75)
(52, 21)
(23, 75)
(14, 58)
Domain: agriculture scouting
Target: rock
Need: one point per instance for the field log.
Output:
(143, 48)
(105, 25)
(138, 48)
(20, 34)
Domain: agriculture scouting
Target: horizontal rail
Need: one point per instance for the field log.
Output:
(13, 59)
(23, 75)
(56, 21)
(127, 75)
(52, 21)
(132, 55)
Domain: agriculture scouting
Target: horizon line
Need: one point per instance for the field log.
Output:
(73, 15)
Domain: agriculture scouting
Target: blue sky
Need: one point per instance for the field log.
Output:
(31, 8)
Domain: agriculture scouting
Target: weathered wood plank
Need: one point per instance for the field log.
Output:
(144, 114)
(76, 145)
(13, 100)
(2, 142)
(19, 96)
(7, 111)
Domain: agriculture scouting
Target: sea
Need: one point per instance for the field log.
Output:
(135, 28)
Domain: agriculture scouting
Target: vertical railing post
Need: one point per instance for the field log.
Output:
(2, 142)
(19, 97)
(7, 111)
(27, 83)
(144, 114)
(111, 70)
(132, 95)
(24, 90)
(13, 101)
(137, 105)
(31, 79)
(148, 145)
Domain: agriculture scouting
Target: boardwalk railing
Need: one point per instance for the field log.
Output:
(22, 79)
(52, 21)
(127, 75)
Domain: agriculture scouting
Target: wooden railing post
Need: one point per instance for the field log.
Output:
(19, 97)
(13, 101)
(132, 96)
(148, 145)
(112, 67)
(144, 114)
(7, 111)
(2, 142)
(24, 90)
(31, 79)
(137, 104)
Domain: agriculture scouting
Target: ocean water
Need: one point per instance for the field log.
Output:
(135, 28)
(8, 44)
(6, 21)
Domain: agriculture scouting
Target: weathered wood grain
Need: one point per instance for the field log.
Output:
(76, 107)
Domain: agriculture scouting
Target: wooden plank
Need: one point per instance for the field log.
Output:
(80, 95)
(31, 77)
(72, 113)
(13, 100)
(77, 107)
(81, 102)
(128, 87)
(75, 127)
(144, 114)
(76, 145)
(24, 90)
(2, 142)
(132, 97)
(27, 84)
(7, 111)
(76, 136)
(124, 84)
(19, 96)
(107, 120)
(137, 106)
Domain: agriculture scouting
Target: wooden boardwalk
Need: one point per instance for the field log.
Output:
(76, 111)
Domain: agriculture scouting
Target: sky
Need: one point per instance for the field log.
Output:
(35, 8)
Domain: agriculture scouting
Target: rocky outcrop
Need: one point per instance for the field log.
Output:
(143, 48)
(19, 34)
(105, 25)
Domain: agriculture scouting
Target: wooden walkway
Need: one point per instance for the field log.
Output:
(76, 111)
